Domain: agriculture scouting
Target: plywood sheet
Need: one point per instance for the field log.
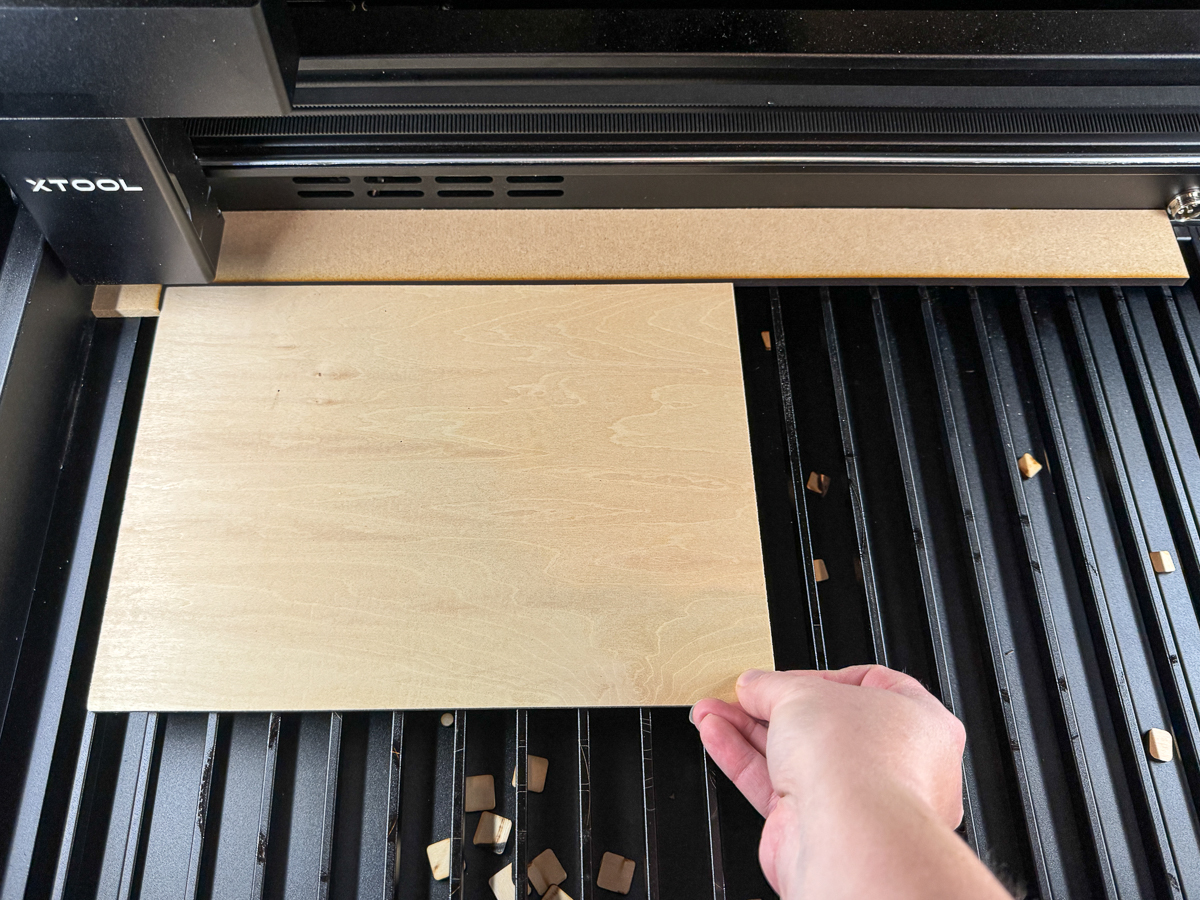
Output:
(855, 245)
(353, 497)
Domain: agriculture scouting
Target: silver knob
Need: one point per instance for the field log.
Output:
(1186, 206)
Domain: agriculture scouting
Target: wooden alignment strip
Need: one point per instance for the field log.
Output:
(853, 479)
(853, 245)
(801, 510)
(1108, 638)
(126, 301)
(1050, 597)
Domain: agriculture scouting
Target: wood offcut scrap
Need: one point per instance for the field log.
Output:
(616, 873)
(479, 793)
(535, 775)
(820, 573)
(439, 859)
(1162, 562)
(545, 870)
(1028, 465)
(556, 892)
(818, 483)
(1160, 745)
(502, 883)
(492, 831)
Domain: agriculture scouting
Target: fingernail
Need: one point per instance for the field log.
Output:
(748, 676)
(692, 715)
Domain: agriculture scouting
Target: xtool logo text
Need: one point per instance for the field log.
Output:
(83, 185)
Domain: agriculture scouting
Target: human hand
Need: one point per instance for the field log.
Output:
(827, 756)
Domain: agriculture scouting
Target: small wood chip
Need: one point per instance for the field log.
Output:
(818, 483)
(492, 831)
(502, 883)
(1160, 745)
(535, 776)
(766, 336)
(545, 870)
(1028, 465)
(616, 873)
(479, 793)
(439, 859)
(447, 719)
(1162, 562)
(819, 570)
(556, 893)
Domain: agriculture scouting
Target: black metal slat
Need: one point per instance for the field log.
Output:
(854, 481)
(1016, 695)
(135, 835)
(649, 805)
(203, 796)
(395, 769)
(457, 816)
(583, 735)
(1052, 601)
(711, 773)
(1166, 604)
(67, 848)
(812, 599)
(1117, 648)
(520, 813)
(266, 802)
(949, 685)
(332, 759)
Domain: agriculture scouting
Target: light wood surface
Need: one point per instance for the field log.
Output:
(378, 497)
(126, 301)
(856, 245)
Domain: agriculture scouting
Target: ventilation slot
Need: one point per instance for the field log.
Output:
(465, 193)
(326, 193)
(378, 193)
(534, 179)
(393, 179)
(541, 193)
(464, 179)
(313, 179)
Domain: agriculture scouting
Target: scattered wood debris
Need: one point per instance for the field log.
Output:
(502, 883)
(556, 893)
(492, 831)
(479, 792)
(766, 336)
(545, 870)
(535, 775)
(1028, 465)
(1160, 744)
(439, 859)
(1162, 562)
(818, 483)
(819, 570)
(616, 873)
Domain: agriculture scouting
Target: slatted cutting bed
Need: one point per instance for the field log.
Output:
(1030, 605)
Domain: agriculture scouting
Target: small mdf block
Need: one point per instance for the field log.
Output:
(126, 301)
(818, 483)
(1160, 744)
(536, 774)
(1162, 562)
(502, 883)
(819, 570)
(439, 859)
(479, 792)
(1028, 465)
(556, 893)
(616, 873)
(492, 831)
(545, 871)
(766, 336)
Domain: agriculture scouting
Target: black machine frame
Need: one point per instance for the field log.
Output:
(1029, 608)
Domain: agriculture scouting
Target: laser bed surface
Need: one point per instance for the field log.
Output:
(381, 496)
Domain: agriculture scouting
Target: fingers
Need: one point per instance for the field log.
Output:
(751, 729)
(759, 692)
(733, 754)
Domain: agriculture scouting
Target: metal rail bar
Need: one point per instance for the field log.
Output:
(266, 799)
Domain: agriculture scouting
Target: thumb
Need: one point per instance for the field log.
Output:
(759, 693)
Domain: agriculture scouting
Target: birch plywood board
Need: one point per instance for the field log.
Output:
(377, 497)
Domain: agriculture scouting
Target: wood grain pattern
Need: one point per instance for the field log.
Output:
(856, 245)
(361, 497)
